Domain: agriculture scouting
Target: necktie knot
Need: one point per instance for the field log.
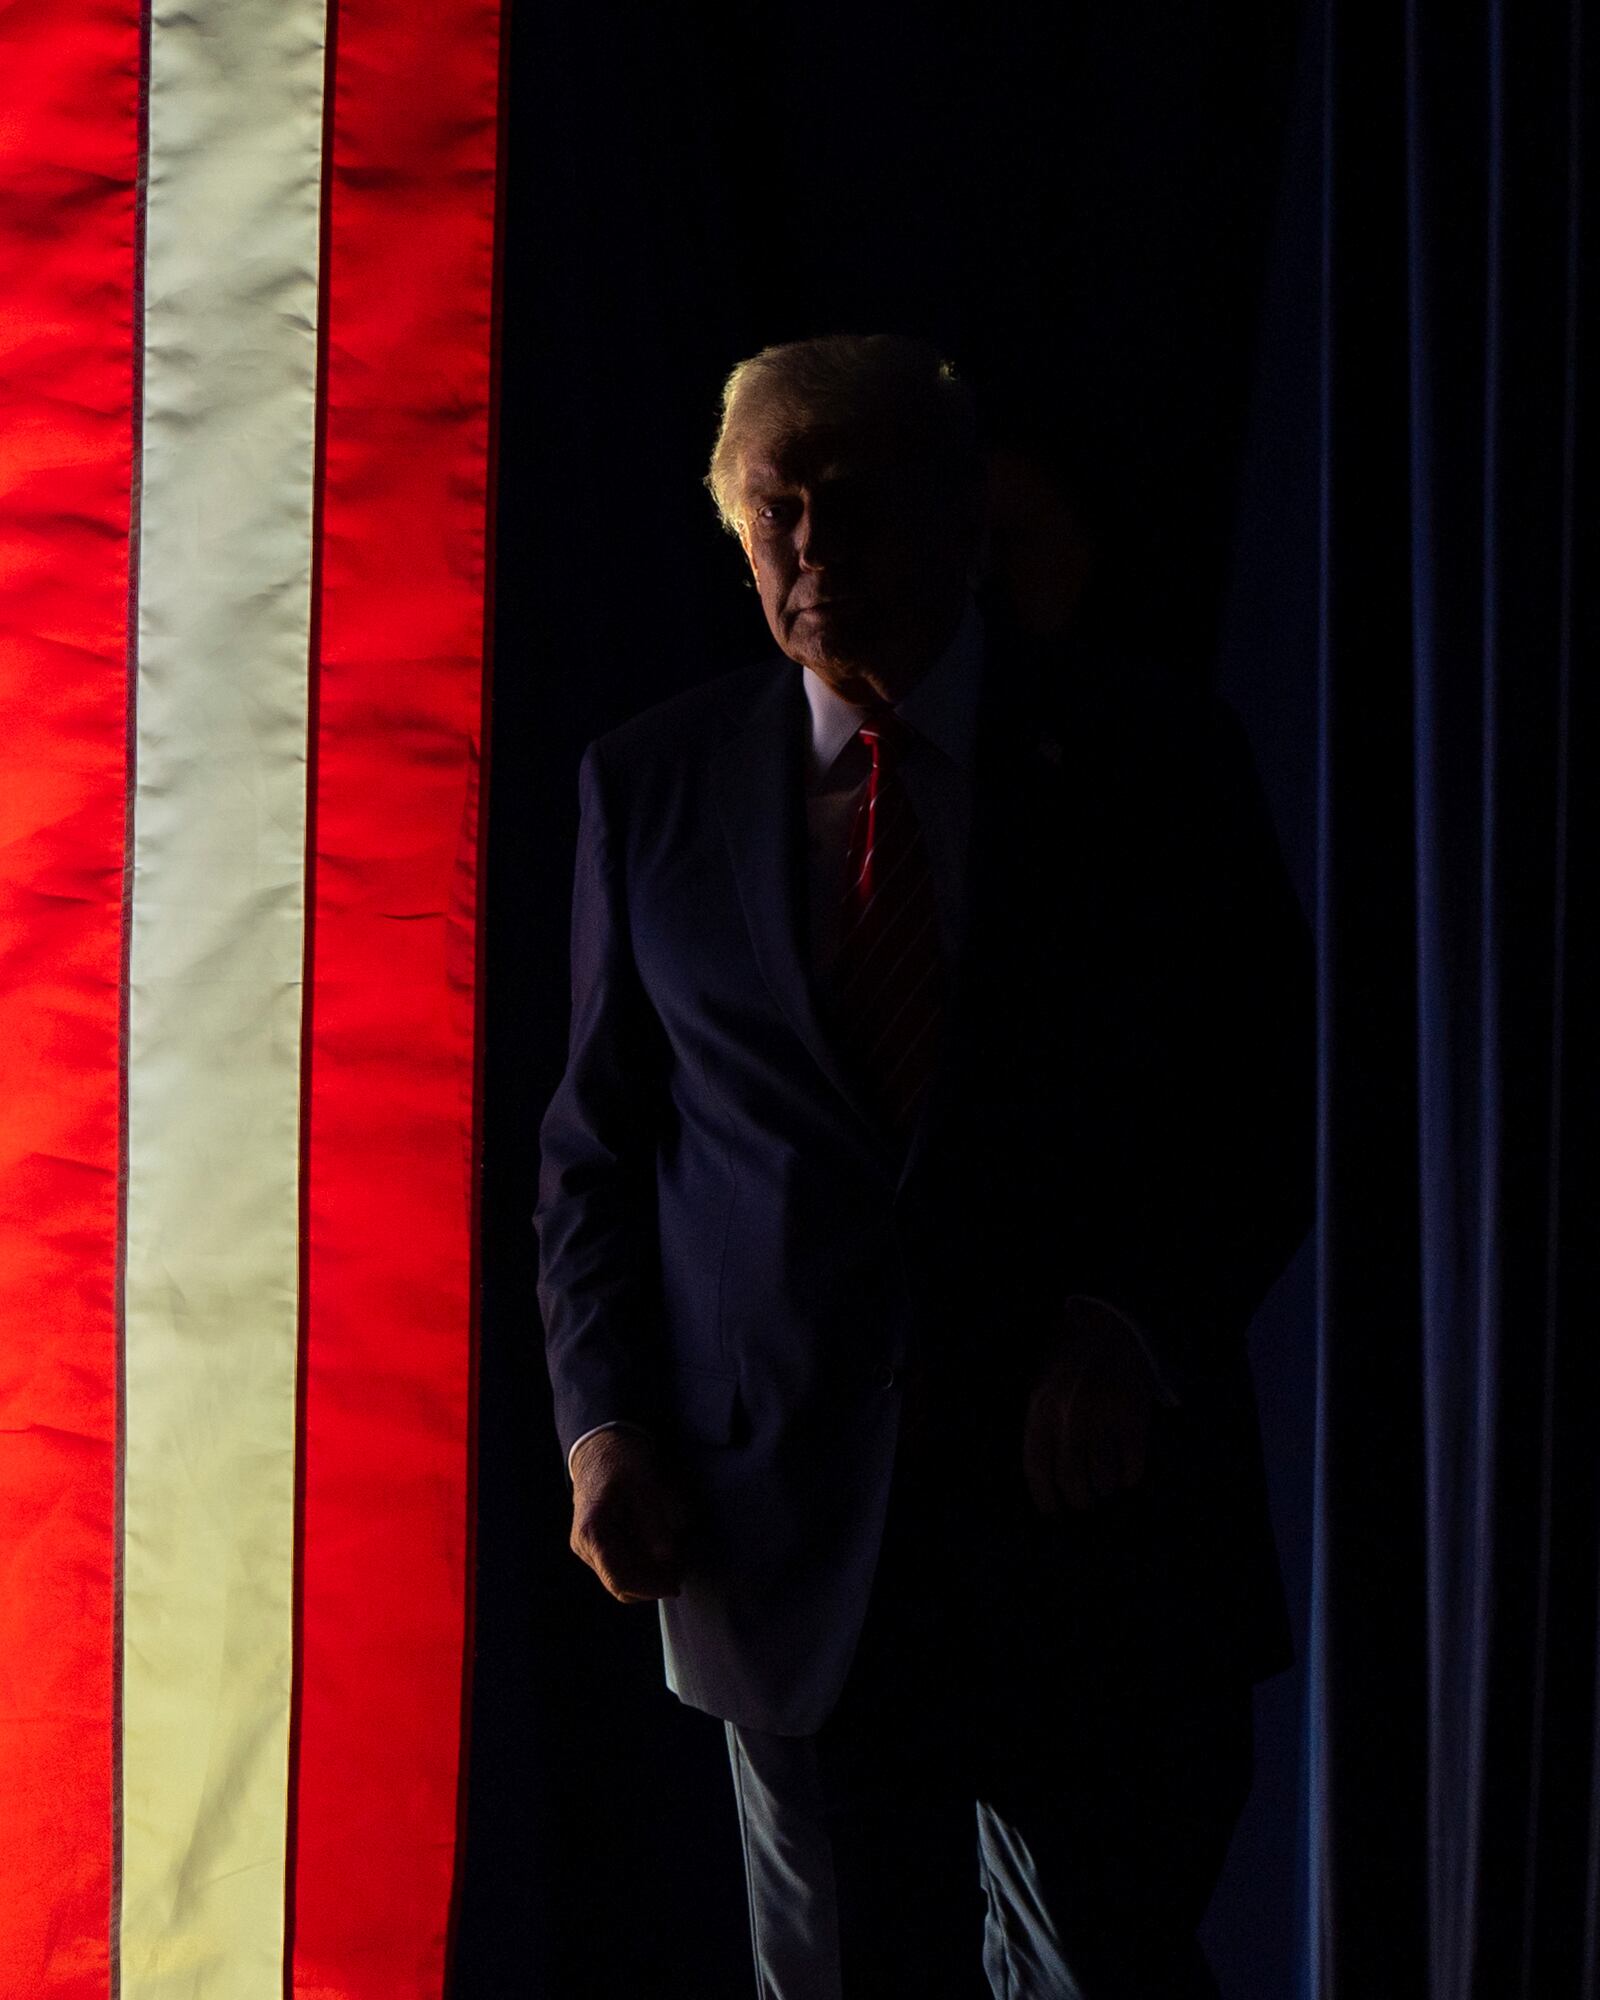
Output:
(883, 733)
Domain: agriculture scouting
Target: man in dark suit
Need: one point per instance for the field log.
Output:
(937, 1114)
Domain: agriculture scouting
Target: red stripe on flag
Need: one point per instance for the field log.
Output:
(408, 297)
(69, 158)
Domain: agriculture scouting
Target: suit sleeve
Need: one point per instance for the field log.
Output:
(599, 1287)
(1216, 1078)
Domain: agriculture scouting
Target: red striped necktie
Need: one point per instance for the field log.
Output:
(889, 979)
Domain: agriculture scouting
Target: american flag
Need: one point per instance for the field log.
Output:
(247, 364)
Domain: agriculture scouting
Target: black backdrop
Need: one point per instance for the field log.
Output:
(1083, 212)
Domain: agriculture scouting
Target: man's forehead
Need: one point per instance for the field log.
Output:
(831, 451)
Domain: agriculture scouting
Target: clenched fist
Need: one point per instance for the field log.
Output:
(1087, 1431)
(628, 1519)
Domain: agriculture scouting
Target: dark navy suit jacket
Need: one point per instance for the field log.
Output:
(736, 1256)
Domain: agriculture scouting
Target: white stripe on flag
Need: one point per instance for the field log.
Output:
(212, 1253)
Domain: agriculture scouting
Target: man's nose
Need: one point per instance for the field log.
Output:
(818, 539)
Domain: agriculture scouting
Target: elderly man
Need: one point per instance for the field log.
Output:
(936, 1116)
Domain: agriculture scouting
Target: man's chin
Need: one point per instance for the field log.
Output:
(866, 654)
(832, 650)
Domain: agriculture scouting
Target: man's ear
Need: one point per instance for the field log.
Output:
(749, 554)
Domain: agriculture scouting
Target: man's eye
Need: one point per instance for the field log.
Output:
(774, 513)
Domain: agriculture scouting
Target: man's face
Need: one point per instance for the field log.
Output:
(861, 555)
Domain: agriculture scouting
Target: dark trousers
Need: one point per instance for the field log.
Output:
(1016, 1796)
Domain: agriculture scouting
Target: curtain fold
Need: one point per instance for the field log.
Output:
(1454, 1801)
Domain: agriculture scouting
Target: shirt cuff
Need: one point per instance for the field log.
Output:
(615, 1424)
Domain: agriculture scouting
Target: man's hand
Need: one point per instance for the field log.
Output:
(628, 1521)
(1087, 1430)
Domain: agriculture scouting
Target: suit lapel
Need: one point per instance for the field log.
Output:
(759, 779)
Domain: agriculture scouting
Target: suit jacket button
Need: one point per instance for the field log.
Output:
(881, 1377)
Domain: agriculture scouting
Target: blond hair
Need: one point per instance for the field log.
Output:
(881, 380)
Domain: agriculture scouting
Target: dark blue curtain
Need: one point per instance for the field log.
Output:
(1454, 1812)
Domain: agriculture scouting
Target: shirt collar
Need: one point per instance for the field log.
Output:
(943, 706)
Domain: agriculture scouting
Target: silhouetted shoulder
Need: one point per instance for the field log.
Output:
(688, 724)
